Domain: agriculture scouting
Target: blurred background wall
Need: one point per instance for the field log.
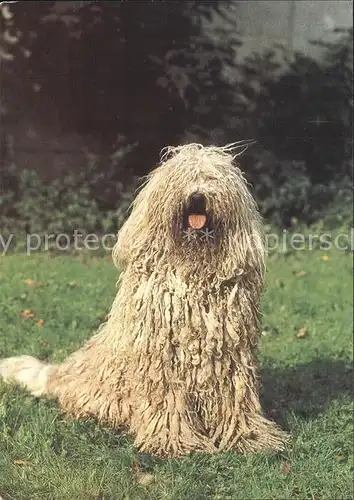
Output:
(292, 22)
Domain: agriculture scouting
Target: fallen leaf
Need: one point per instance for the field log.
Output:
(74, 283)
(340, 458)
(302, 333)
(21, 462)
(27, 313)
(286, 468)
(325, 258)
(40, 323)
(32, 283)
(136, 468)
(299, 273)
(144, 479)
(270, 331)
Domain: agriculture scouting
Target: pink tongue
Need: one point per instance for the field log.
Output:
(196, 221)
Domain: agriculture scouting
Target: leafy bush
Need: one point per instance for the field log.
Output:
(80, 201)
(306, 113)
(69, 204)
(300, 110)
(146, 68)
(285, 192)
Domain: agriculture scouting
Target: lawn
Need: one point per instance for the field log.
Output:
(305, 352)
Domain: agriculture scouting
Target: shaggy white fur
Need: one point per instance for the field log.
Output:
(176, 360)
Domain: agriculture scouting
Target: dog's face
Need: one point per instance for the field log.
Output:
(199, 214)
(195, 208)
(201, 199)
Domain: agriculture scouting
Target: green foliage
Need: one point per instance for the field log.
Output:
(148, 69)
(93, 201)
(74, 202)
(306, 112)
(300, 110)
(306, 387)
(285, 192)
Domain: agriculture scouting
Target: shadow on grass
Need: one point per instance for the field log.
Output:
(305, 390)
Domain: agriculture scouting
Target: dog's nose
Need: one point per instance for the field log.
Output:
(197, 203)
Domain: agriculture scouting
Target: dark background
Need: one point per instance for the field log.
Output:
(108, 84)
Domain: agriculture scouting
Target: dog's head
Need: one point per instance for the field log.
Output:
(196, 211)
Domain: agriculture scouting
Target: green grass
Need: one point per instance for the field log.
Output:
(306, 388)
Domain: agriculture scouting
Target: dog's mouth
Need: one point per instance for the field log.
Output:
(197, 225)
(195, 214)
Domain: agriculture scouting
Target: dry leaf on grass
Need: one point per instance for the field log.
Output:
(299, 274)
(325, 258)
(32, 283)
(22, 462)
(27, 313)
(286, 468)
(302, 333)
(270, 331)
(136, 468)
(74, 283)
(144, 478)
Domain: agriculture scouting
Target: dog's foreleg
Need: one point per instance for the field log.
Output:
(28, 372)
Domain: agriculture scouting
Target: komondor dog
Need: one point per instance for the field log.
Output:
(176, 360)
